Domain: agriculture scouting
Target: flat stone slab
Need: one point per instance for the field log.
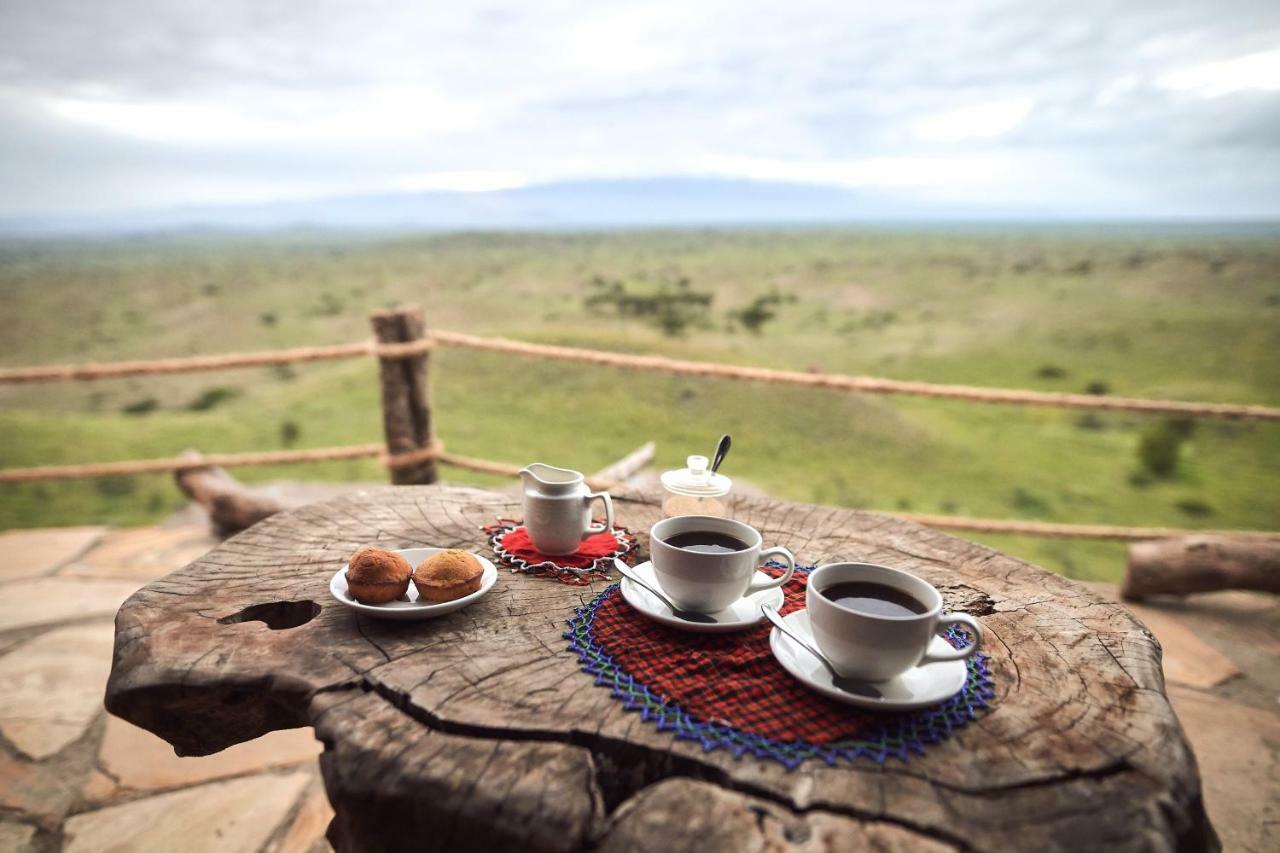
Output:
(99, 788)
(241, 814)
(42, 601)
(1236, 747)
(306, 833)
(45, 792)
(16, 837)
(1188, 660)
(138, 759)
(18, 778)
(29, 553)
(143, 553)
(53, 687)
(1245, 626)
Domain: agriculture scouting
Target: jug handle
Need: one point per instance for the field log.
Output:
(592, 529)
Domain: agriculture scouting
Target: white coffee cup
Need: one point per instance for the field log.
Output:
(873, 647)
(708, 583)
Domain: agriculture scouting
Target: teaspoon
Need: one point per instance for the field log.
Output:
(840, 682)
(722, 450)
(687, 615)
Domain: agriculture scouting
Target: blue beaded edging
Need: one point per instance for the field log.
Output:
(900, 736)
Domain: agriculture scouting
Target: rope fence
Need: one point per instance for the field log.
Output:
(505, 469)
(660, 364)
(860, 384)
(1051, 530)
(409, 425)
(437, 452)
(192, 460)
(196, 460)
(202, 363)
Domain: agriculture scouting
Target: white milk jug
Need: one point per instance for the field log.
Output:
(557, 508)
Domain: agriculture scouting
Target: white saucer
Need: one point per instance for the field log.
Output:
(738, 616)
(918, 687)
(412, 608)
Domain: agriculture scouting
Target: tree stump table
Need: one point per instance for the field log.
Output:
(479, 731)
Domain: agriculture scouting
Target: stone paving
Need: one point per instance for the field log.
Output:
(73, 778)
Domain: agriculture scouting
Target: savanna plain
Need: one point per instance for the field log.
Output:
(1182, 313)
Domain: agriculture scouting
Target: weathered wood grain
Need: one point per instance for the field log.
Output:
(481, 726)
(230, 505)
(1200, 563)
(406, 400)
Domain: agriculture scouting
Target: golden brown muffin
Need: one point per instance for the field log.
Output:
(446, 576)
(375, 576)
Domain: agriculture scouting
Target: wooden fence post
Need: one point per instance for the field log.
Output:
(406, 406)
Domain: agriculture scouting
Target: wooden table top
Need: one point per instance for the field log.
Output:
(478, 730)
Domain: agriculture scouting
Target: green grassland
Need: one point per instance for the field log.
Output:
(1137, 313)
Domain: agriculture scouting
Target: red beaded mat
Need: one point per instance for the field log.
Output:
(726, 690)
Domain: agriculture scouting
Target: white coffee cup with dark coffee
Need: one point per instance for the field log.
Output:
(705, 563)
(873, 622)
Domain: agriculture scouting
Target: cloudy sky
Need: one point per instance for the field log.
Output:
(1136, 108)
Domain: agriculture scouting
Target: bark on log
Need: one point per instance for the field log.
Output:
(1200, 564)
(406, 403)
(230, 505)
(478, 730)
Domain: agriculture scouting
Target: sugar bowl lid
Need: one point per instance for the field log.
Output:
(697, 480)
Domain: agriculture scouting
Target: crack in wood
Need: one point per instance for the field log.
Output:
(623, 769)
(360, 629)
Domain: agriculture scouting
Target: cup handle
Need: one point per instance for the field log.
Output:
(592, 529)
(956, 654)
(763, 581)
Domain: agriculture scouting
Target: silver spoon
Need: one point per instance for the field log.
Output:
(841, 682)
(687, 615)
(722, 450)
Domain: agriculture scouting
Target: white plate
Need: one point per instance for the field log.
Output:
(918, 687)
(738, 616)
(413, 608)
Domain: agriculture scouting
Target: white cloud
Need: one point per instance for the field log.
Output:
(977, 121)
(992, 99)
(376, 114)
(619, 42)
(1258, 72)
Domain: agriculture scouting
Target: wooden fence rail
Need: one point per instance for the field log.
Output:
(411, 451)
(201, 363)
(392, 344)
(860, 384)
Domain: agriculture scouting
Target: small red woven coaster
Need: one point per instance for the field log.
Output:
(592, 560)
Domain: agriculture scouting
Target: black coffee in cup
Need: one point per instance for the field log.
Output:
(873, 599)
(706, 542)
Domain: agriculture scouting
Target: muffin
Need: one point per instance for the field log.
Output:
(446, 576)
(376, 576)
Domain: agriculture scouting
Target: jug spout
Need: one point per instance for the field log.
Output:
(549, 477)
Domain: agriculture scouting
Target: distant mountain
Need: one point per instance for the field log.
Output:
(640, 203)
(578, 204)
